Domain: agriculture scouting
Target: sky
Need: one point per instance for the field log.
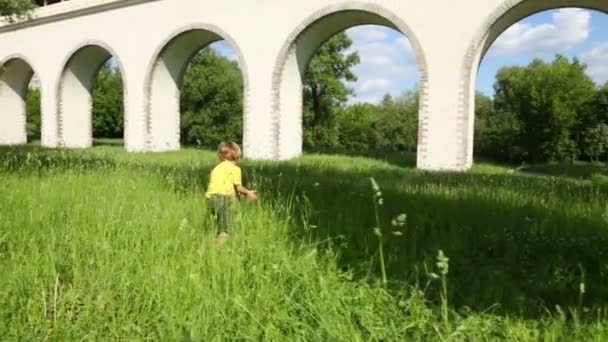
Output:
(388, 64)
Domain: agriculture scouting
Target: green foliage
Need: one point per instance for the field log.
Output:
(595, 141)
(392, 125)
(396, 123)
(14, 10)
(108, 108)
(211, 101)
(32, 108)
(325, 90)
(539, 112)
(355, 127)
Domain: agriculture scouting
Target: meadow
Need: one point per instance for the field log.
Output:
(105, 245)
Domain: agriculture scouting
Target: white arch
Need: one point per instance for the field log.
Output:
(164, 77)
(75, 89)
(504, 16)
(16, 72)
(300, 47)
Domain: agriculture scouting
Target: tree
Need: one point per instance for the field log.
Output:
(211, 100)
(391, 125)
(108, 108)
(396, 122)
(595, 142)
(14, 10)
(32, 109)
(484, 110)
(547, 99)
(355, 127)
(325, 90)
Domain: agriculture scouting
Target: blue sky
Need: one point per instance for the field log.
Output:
(388, 64)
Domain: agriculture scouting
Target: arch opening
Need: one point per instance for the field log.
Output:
(19, 103)
(88, 72)
(187, 54)
(499, 23)
(295, 58)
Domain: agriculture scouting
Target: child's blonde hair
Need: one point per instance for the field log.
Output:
(230, 151)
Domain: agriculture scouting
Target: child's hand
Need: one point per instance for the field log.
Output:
(252, 195)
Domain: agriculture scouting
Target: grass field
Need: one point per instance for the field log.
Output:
(106, 245)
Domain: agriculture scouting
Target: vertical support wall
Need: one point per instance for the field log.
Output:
(163, 122)
(75, 96)
(15, 76)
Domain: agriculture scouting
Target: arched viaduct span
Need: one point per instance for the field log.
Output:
(154, 40)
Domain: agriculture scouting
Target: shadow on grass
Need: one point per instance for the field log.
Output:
(577, 170)
(400, 159)
(107, 142)
(511, 240)
(515, 250)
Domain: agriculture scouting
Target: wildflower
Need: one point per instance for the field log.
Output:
(183, 224)
(375, 185)
(377, 231)
(399, 221)
(443, 263)
(397, 233)
(380, 201)
(582, 288)
(316, 184)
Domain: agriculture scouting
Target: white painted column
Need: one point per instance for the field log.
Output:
(291, 100)
(259, 134)
(14, 79)
(445, 125)
(135, 112)
(49, 129)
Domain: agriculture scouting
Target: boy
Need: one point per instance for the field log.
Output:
(224, 184)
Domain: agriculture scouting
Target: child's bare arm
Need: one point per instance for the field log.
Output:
(250, 194)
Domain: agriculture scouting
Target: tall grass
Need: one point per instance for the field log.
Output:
(104, 245)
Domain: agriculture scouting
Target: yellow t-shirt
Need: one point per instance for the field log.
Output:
(224, 177)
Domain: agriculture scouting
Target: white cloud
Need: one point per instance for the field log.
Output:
(387, 59)
(225, 49)
(569, 27)
(596, 60)
(364, 34)
(372, 85)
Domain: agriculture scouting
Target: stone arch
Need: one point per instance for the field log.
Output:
(164, 77)
(75, 89)
(16, 72)
(504, 16)
(299, 48)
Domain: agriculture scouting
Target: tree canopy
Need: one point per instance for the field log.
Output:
(541, 112)
(16, 9)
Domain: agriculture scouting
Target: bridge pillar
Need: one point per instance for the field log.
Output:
(259, 134)
(49, 122)
(15, 75)
(445, 130)
(135, 122)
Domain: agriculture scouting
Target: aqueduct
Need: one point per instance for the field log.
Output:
(153, 41)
